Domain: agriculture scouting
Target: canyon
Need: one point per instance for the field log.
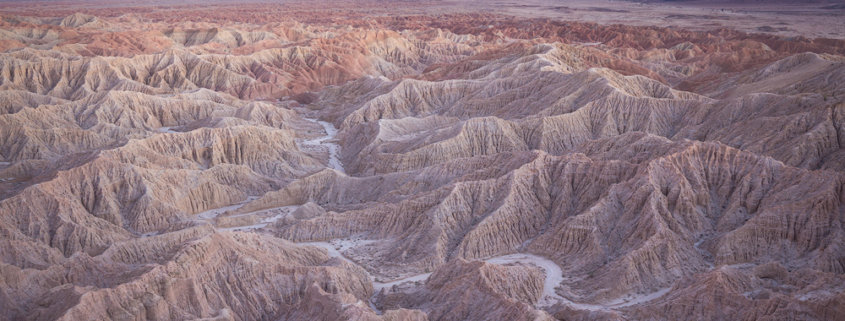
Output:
(354, 160)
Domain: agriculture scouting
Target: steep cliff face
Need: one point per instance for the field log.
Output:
(388, 167)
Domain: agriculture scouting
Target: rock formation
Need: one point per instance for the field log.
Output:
(275, 162)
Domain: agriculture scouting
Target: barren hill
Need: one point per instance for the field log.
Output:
(285, 162)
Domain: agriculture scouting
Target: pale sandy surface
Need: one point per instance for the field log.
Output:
(784, 18)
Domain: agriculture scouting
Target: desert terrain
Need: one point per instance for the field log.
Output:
(444, 160)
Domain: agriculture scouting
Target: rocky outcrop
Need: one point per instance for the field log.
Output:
(164, 163)
(194, 273)
(474, 291)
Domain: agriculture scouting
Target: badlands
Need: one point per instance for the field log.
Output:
(445, 160)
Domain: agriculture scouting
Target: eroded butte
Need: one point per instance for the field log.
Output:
(415, 161)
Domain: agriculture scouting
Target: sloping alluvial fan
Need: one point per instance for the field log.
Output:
(267, 162)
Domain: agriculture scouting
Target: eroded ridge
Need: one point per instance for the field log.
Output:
(429, 161)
